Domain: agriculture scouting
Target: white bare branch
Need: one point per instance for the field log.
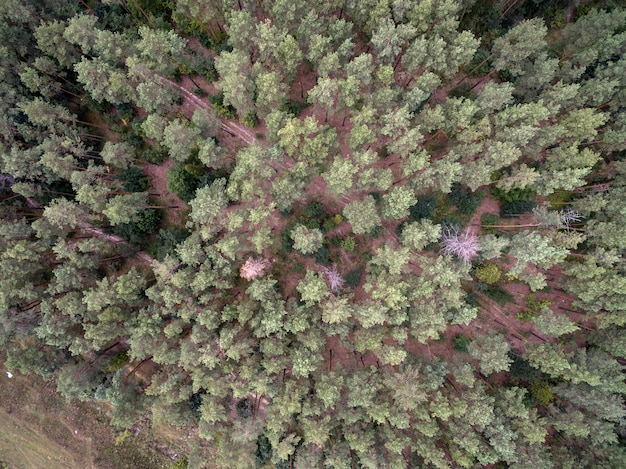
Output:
(463, 245)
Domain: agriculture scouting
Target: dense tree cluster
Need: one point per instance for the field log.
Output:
(323, 234)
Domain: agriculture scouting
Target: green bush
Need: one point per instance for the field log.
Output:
(480, 65)
(465, 200)
(181, 182)
(322, 256)
(293, 107)
(336, 241)
(149, 220)
(488, 273)
(118, 361)
(250, 120)
(353, 278)
(314, 209)
(488, 219)
(464, 90)
(348, 244)
(329, 224)
(227, 112)
(461, 342)
(133, 179)
(517, 207)
(376, 232)
(526, 315)
(136, 232)
(513, 195)
(423, 208)
(153, 155)
(286, 242)
(166, 242)
(540, 390)
(495, 292)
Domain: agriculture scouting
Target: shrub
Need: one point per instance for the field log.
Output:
(461, 342)
(513, 195)
(423, 208)
(293, 107)
(149, 220)
(517, 207)
(526, 315)
(488, 273)
(199, 92)
(154, 155)
(133, 179)
(497, 293)
(353, 278)
(181, 182)
(465, 200)
(472, 299)
(322, 255)
(464, 90)
(118, 362)
(540, 390)
(217, 102)
(244, 409)
(286, 242)
(376, 232)
(250, 120)
(313, 209)
(479, 65)
(167, 240)
(329, 224)
(489, 219)
(348, 244)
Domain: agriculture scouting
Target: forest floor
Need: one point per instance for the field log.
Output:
(39, 429)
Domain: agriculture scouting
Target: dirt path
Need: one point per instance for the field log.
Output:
(234, 128)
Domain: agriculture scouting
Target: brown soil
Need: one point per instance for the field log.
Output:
(174, 213)
(40, 430)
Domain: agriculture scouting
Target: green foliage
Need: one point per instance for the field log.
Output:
(322, 255)
(540, 390)
(466, 201)
(348, 244)
(526, 315)
(147, 222)
(495, 292)
(517, 207)
(250, 120)
(221, 109)
(488, 273)
(461, 342)
(134, 179)
(314, 209)
(489, 219)
(166, 242)
(181, 182)
(153, 155)
(118, 362)
(180, 464)
(514, 201)
(423, 208)
(293, 107)
(353, 278)
(512, 195)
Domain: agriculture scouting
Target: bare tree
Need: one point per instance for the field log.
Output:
(335, 281)
(464, 245)
(254, 268)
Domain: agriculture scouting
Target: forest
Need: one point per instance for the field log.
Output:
(324, 233)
